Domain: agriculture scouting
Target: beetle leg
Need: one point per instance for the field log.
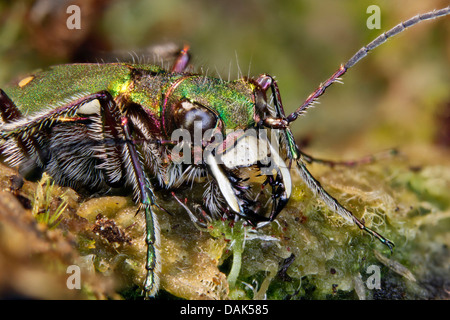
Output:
(120, 149)
(182, 60)
(280, 122)
(144, 194)
(153, 152)
(112, 137)
(279, 197)
(334, 205)
(350, 163)
(199, 223)
(121, 157)
(83, 142)
(24, 147)
(109, 148)
(8, 109)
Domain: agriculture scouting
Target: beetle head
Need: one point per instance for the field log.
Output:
(224, 133)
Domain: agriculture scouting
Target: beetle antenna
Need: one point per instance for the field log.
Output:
(361, 53)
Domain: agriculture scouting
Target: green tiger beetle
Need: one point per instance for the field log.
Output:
(100, 126)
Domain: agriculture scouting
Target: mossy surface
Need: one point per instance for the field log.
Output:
(307, 253)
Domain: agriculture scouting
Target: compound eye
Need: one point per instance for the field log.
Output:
(193, 116)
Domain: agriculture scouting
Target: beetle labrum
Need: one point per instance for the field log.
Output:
(98, 126)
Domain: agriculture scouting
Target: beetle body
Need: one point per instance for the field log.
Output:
(97, 126)
(141, 84)
(155, 101)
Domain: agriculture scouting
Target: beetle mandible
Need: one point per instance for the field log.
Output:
(99, 126)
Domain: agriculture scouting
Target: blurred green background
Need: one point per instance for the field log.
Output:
(397, 97)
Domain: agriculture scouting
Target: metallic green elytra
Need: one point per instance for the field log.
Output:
(144, 128)
(140, 84)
